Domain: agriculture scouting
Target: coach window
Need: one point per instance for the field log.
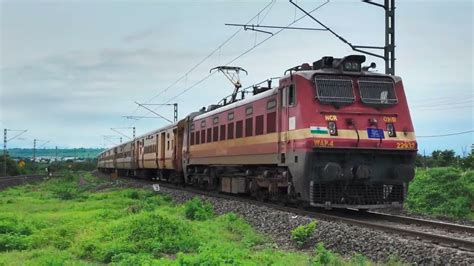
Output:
(249, 127)
(215, 120)
(209, 135)
(291, 95)
(203, 123)
(271, 104)
(238, 129)
(230, 131)
(192, 138)
(230, 116)
(203, 136)
(249, 110)
(222, 134)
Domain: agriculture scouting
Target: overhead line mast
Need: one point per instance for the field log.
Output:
(389, 48)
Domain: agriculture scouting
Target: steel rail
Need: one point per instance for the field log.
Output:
(453, 242)
(10, 181)
(412, 220)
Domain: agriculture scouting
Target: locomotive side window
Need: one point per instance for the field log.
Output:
(377, 91)
(249, 127)
(334, 90)
(259, 125)
(209, 135)
(271, 122)
(271, 104)
(238, 129)
(291, 95)
(222, 135)
(249, 110)
(230, 131)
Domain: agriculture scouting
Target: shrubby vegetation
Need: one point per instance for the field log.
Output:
(444, 191)
(82, 220)
(39, 167)
(302, 233)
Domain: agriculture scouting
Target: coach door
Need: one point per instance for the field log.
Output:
(137, 154)
(162, 149)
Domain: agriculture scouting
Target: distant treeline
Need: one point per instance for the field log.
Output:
(444, 158)
(80, 153)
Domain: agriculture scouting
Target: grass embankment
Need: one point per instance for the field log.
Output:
(442, 192)
(83, 220)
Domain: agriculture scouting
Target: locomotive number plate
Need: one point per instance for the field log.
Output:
(375, 133)
(323, 143)
(406, 145)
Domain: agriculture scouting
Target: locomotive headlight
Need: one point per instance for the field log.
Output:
(391, 130)
(348, 66)
(332, 128)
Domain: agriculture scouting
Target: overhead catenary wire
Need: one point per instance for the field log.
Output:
(219, 47)
(447, 135)
(246, 52)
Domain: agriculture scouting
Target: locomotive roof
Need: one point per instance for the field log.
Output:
(308, 74)
(238, 103)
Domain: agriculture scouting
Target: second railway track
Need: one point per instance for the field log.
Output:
(9, 181)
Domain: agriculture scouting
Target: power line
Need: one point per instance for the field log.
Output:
(205, 58)
(447, 135)
(247, 51)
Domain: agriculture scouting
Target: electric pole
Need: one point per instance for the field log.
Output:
(5, 152)
(5, 141)
(35, 141)
(34, 156)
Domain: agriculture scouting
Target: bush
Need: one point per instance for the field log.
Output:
(325, 257)
(195, 209)
(155, 233)
(442, 192)
(302, 233)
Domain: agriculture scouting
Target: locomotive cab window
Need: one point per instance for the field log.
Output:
(334, 90)
(377, 91)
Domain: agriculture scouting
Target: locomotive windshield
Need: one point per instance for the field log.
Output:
(334, 90)
(377, 91)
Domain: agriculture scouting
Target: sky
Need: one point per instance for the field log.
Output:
(71, 70)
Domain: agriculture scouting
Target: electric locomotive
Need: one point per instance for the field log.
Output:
(332, 134)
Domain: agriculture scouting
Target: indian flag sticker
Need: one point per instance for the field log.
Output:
(319, 130)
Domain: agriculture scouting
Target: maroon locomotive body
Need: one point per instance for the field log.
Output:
(332, 134)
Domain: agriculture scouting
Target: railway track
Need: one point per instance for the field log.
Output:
(10, 181)
(435, 232)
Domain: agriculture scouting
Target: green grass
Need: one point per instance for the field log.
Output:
(442, 192)
(80, 220)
